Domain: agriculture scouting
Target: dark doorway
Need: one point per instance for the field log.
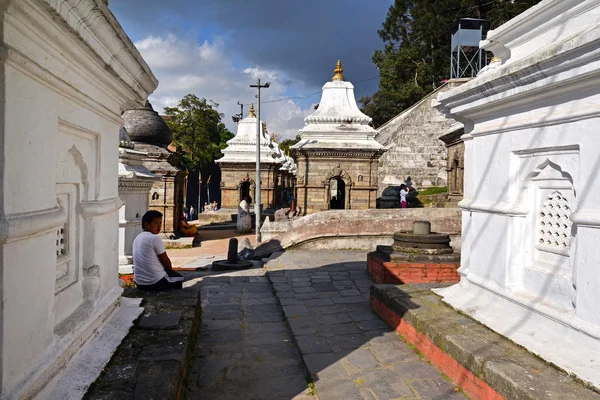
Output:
(337, 194)
(245, 191)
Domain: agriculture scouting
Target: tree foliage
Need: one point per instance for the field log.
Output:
(197, 130)
(416, 56)
(287, 143)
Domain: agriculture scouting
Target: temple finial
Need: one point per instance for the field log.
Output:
(272, 137)
(251, 112)
(338, 72)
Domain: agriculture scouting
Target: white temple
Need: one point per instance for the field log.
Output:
(337, 154)
(67, 73)
(338, 123)
(238, 165)
(242, 147)
(531, 207)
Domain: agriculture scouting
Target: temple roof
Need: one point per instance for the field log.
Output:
(143, 124)
(337, 122)
(242, 148)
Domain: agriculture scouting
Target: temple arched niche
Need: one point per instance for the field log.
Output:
(246, 187)
(338, 186)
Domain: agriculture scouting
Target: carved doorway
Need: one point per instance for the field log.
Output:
(245, 192)
(337, 194)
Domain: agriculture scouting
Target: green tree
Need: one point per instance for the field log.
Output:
(287, 143)
(197, 130)
(415, 58)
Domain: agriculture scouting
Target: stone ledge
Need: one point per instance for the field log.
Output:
(483, 363)
(151, 363)
(428, 268)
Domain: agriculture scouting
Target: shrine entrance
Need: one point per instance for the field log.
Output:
(337, 194)
(245, 191)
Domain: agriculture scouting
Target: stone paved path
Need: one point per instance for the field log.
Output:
(245, 349)
(349, 351)
(255, 345)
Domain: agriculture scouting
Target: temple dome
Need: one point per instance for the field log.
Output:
(242, 148)
(143, 124)
(338, 105)
(338, 123)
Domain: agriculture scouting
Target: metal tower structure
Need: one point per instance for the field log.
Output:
(465, 54)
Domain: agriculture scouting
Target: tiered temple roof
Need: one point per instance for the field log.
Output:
(242, 148)
(338, 123)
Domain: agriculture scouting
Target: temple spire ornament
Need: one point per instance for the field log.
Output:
(251, 112)
(338, 72)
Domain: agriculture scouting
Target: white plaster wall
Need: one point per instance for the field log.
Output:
(63, 83)
(532, 129)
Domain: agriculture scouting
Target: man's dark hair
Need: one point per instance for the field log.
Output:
(149, 216)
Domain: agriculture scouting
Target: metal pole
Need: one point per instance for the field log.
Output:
(257, 194)
(199, 192)
(257, 200)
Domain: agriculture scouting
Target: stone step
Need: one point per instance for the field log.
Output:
(483, 363)
(151, 361)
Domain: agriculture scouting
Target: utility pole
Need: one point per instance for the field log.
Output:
(257, 200)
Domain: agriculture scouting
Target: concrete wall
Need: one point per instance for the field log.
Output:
(364, 229)
(413, 147)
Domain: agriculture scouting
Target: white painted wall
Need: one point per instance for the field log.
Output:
(532, 154)
(66, 72)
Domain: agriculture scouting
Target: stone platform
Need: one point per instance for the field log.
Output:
(484, 364)
(385, 266)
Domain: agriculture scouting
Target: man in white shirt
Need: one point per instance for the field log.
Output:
(152, 269)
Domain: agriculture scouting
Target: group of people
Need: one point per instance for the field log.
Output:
(211, 207)
(189, 213)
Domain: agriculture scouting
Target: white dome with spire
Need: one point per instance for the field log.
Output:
(242, 148)
(337, 122)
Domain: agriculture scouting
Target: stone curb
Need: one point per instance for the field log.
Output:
(151, 362)
(455, 341)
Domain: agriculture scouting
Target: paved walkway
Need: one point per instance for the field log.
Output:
(247, 350)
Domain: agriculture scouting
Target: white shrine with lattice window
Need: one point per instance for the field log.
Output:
(531, 207)
(67, 72)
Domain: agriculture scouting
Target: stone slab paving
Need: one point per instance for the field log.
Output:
(350, 353)
(244, 349)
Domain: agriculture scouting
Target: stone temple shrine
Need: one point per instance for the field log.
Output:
(238, 165)
(338, 155)
(151, 135)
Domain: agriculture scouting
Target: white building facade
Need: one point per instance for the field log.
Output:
(67, 71)
(531, 207)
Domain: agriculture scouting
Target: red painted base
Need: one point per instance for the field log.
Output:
(410, 272)
(474, 387)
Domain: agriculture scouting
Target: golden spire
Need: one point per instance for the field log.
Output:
(273, 137)
(338, 72)
(251, 113)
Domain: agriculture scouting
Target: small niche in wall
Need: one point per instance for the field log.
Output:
(360, 178)
(155, 196)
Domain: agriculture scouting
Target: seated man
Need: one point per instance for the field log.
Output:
(186, 229)
(152, 269)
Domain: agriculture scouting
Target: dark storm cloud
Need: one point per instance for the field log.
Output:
(302, 38)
